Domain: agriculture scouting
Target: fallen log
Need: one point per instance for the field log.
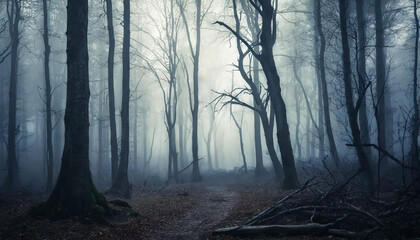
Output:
(289, 230)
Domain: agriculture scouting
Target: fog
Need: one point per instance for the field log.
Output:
(218, 73)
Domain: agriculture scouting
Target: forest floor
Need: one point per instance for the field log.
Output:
(182, 211)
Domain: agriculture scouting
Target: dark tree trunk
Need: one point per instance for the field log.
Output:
(326, 105)
(196, 175)
(321, 133)
(380, 79)
(268, 37)
(111, 94)
(259, 165)
(416, 120)
(208, 141)
(100, 131)
(50, 157)
(12, 178)
(74, 193)
(122, 187)
(298, 145)
(351, 110)
(361, 73)
(135, 141)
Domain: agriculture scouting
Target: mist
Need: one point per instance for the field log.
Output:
(141, 100)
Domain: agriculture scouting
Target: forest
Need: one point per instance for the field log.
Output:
(209, 119)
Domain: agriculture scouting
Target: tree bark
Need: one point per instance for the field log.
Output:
(416, 120)
(111, 91)
(74, 193)
(362, 76)
(48, 96)
(326, 105)
(351, 111)
(268, 37)
(12, 178)
(380, 79)
(122, 187)
(196, 175)
(321, 131)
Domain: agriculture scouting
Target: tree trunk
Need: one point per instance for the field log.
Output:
(50, 157)
(122, 187)
(321, 134)
(12, 178)
(208, 142)
(380, 79)
(100, 131)
(74, 193)
(362, 76)
(298, 145)
(273, 81)
(352, 112)
(111, 94)
(135, 141)
(259, 165)
(326, 105)
(416, 120)
(196, 175)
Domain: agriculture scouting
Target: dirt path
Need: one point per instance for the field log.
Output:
(213, 206)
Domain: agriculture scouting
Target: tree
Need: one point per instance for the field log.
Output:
(252, 21)
(266, 58)
(321, 69)
(238, 125)
(14, 17)
(380, 78)
(48, 96)
(361, 72)
(121, 186)
(416, 119)
(352, 110)
(74, 193)
(195, 55)
(111, 94)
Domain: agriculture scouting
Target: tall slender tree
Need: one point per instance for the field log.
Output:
(361, 72)
(121, 186)
(48, 96)
(416, 118)
(74, 193)
(195, 54)
(14, 17)
(380, 78)
(351, 109)
(111, 91)
(326, 104)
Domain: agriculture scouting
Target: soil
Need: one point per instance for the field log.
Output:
(181, 211)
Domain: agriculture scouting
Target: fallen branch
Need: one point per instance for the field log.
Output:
(304, 229)
(386, 153)
(257, 218)
(304, 208)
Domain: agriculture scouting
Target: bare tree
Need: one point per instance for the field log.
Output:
(48, 96)
(111, 94)
(121, 186)
(321, 69)
(416, 119)
(200, 13)
(352, 110)
(361, 72)
(14, 17)
(268, 35)
(380, 78)
(74, 193)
